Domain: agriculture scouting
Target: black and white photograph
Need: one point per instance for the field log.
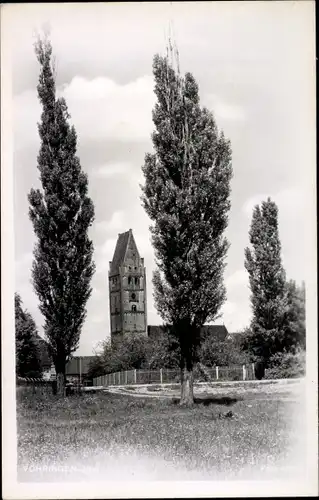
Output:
(159, 280)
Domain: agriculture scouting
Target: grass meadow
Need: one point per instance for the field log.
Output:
(231, 432)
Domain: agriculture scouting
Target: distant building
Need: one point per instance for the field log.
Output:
(78, 367)
(127, 289)
(218, 332)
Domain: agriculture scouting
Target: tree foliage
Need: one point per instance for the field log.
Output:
(228, 352)
(28, 363)
(61, 214)
(135, 352)
(287, 365)
(277, 305)
(295, 333)
(186, 195)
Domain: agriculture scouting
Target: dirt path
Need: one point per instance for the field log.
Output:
(287, 389)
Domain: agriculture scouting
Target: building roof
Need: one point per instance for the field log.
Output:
(217, 331)
(125, 240)
(154, 331)
(79, 364)
(120, 250)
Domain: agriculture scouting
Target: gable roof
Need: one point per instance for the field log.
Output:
(219, 332)
(122, 244)
(73, 366)
(119, 252)
(216, 331)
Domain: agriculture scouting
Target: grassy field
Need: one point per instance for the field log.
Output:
(229, 434)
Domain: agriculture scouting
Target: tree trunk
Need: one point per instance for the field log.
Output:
(188, 343)
(187, 386)
(60, 378)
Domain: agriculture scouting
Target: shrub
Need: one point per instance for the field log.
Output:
(287, 365)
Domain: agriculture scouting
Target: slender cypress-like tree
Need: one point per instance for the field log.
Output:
(28, 362)
(186, 195)
(61, 213)
(267, 281)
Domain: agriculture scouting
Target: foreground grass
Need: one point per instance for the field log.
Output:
(223, 435)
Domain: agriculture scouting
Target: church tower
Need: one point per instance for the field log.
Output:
(127, 289)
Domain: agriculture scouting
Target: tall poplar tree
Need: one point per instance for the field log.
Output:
(186, 195)
(61, 214)
(267, 281)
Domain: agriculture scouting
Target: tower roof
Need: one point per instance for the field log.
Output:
(123, 241)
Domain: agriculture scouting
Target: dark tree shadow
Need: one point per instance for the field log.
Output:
(208, 400)
(225, 401)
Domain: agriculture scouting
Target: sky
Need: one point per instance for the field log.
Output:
(253, 62)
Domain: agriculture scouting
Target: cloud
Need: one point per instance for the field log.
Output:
(26, 115)
(143, 242)
(238, 279)
(109, 247)
(111, 170)
(103, 255)
(114, 224)
(102, 108)
(288, 200)
(225, 110)
(235, 316)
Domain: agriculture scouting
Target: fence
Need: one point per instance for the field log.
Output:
(163, 376)
(27, 385)
(34, 385)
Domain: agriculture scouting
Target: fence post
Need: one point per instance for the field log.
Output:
(244, 372)
(161, 375)
(119, 378)
(216, 372)
(125, 381)
(253, 367)
(113, 378)
(134, 376)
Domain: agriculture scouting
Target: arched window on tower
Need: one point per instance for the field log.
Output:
(134, 308)
(129, 279)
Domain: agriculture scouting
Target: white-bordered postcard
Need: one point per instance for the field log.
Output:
(159, 273)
